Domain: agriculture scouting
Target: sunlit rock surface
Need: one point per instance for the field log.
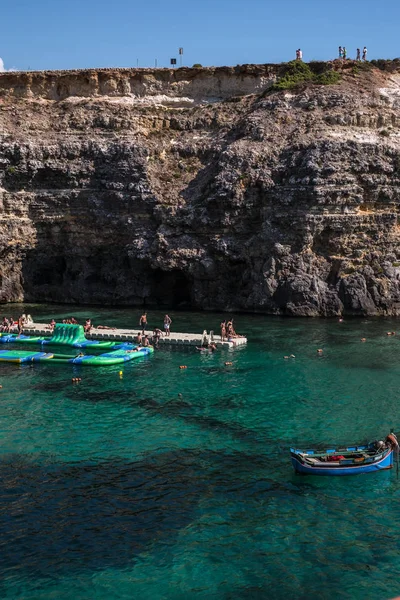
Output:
(201, 188)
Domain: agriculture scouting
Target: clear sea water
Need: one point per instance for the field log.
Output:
(119, 488)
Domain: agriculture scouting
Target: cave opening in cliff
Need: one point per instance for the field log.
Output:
(47, 271)
(171, 288)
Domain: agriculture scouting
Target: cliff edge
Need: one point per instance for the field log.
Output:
(207, 188)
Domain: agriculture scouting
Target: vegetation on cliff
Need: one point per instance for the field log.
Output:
(297, 73)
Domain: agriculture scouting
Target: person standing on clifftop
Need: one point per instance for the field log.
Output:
(364, 53)
(300, 55)
(340, 52)
(344, 53)
(358, 57)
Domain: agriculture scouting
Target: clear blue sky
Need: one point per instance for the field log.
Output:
(61, 34)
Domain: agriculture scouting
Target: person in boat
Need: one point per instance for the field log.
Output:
(139, 338)
(29, 320)
(143, 322)
(88, 326)
(105, 327)
(167, 324)
(11, 325)
(391, 440)
(145, 342)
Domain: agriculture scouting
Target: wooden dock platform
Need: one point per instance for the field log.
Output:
(129, 335)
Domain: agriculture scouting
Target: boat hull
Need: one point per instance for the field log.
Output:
(383, 463)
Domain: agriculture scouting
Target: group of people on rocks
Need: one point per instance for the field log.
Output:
(342, 53)
(299, 54)
(8, 325)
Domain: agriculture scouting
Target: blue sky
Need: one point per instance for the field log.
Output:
(60, 34)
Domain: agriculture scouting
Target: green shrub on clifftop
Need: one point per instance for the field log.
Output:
(296, 72)
(328, 78)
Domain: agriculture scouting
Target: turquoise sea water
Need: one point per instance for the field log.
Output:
(119, 488)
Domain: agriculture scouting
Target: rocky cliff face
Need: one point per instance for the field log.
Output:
(201, 188)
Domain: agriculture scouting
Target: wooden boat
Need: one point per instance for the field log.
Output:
(351, 460)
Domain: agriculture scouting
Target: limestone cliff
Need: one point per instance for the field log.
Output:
(202, 188)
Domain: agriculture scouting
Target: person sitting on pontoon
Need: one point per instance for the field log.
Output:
(157, 333)
(4, 325)
(20, 324)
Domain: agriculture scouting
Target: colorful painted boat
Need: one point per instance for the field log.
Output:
(109, 358)
(351, 460)
(64, 335)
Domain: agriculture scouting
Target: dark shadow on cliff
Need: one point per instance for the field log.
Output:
(171, 288)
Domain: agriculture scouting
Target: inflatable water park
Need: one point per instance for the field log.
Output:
(72, 336)
(63, 335)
